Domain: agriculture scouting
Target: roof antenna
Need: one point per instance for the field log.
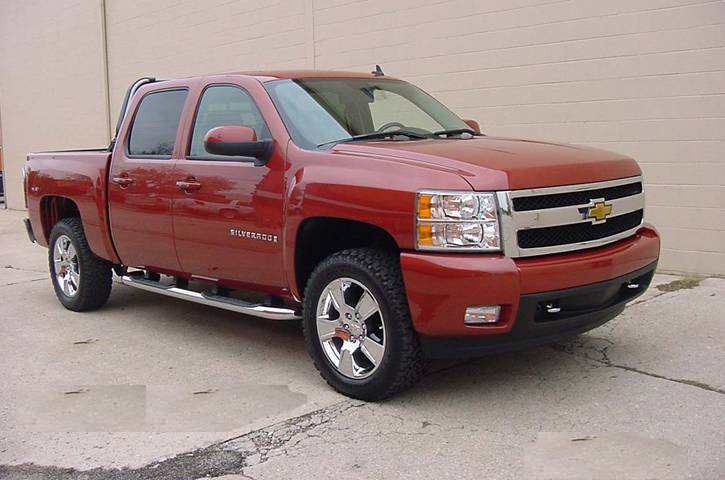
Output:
(378, 72)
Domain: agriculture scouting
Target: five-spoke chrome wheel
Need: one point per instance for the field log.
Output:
(350, 328)
(66, 266)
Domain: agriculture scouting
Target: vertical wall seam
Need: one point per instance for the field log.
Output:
(106, 76)
(310, 26)
(314, 47)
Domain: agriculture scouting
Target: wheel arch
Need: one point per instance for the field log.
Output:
(319, 237)
(54, 208)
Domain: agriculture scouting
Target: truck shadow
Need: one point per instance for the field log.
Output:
(250, 342)
(199, 326)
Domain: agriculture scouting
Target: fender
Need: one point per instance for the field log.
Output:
(349, 187)
(85, 187)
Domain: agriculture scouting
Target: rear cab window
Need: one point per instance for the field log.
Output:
(156, 123)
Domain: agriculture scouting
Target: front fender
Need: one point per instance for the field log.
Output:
(379, 192)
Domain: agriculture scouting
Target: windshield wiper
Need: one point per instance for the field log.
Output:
(456, 131)
(374, 135)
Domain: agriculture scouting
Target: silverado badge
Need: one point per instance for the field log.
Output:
(266, 237)
(597, 211)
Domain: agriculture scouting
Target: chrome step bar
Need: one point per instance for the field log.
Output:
(232, 304)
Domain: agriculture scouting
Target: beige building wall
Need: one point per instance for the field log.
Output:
(182, 38)
(642, 77)
(52, 81)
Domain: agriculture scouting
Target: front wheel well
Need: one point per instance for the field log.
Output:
(53, 209)
(320, 237)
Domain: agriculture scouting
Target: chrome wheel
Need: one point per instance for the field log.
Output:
(350, 328)
(67, 273)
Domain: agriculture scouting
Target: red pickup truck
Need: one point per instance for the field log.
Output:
(356, 202)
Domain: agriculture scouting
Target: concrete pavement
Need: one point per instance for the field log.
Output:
(151, 387)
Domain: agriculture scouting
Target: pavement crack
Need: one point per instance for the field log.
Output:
(22, 282)
(692, 383)
(569, 349)
(646, 300)
(206, 391)
(11, 267)
(229, 457)
(77, 391)
(257, 446)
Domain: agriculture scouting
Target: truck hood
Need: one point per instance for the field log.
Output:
(494, 163)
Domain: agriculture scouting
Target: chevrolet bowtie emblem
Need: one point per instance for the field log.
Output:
(597, 212)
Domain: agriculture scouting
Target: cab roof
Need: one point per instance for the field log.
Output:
(268, 75)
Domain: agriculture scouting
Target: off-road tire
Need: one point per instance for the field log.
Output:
(96, 274)
(403, 363)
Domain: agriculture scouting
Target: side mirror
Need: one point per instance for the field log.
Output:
(237, 141)
(473, 125)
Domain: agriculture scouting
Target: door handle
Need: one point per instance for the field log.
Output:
(123, 181)
(189, 185)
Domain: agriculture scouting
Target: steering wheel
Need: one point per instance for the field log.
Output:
(390, 125)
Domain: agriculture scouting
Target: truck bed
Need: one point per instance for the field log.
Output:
(78, 175)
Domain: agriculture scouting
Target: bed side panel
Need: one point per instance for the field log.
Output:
(81, 177)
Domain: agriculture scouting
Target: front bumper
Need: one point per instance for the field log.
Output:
(441, 286)
(582, 309)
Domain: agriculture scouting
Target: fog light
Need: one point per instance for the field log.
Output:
(482, 314)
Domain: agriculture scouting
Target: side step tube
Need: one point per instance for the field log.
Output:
(233, 304)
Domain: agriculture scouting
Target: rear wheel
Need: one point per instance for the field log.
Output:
(81, 280)
(357, 325)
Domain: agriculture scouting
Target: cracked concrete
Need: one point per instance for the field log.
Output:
(169, 390)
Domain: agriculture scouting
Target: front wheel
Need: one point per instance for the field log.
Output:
(81, 280)
(357, 325)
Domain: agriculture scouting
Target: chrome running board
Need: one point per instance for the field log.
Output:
(226, 303)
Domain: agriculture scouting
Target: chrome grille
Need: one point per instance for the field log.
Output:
(545, 221)
(577, 232)
(540, 202)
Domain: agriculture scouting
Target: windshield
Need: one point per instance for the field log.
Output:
(322, 111)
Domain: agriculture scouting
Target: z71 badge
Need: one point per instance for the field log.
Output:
(265, 237)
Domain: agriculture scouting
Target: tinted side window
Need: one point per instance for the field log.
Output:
(157, 120)
(225, 105)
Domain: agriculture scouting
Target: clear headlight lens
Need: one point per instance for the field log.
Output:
(457, 221)
(459, 206)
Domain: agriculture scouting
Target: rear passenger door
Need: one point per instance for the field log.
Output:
(228, 226)
(141, 184)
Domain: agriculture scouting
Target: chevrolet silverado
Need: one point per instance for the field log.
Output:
(356, 203)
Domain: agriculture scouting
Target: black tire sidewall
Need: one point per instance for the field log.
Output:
(369, 387)
(95, 273)
(62, 229)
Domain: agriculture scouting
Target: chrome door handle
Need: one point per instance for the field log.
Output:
(190, 185)
(123, 181)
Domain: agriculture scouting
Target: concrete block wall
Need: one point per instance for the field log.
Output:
(642, 77)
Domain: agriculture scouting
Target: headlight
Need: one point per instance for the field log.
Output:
(457, 221)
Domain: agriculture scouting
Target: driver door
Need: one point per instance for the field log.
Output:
(228, 225)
